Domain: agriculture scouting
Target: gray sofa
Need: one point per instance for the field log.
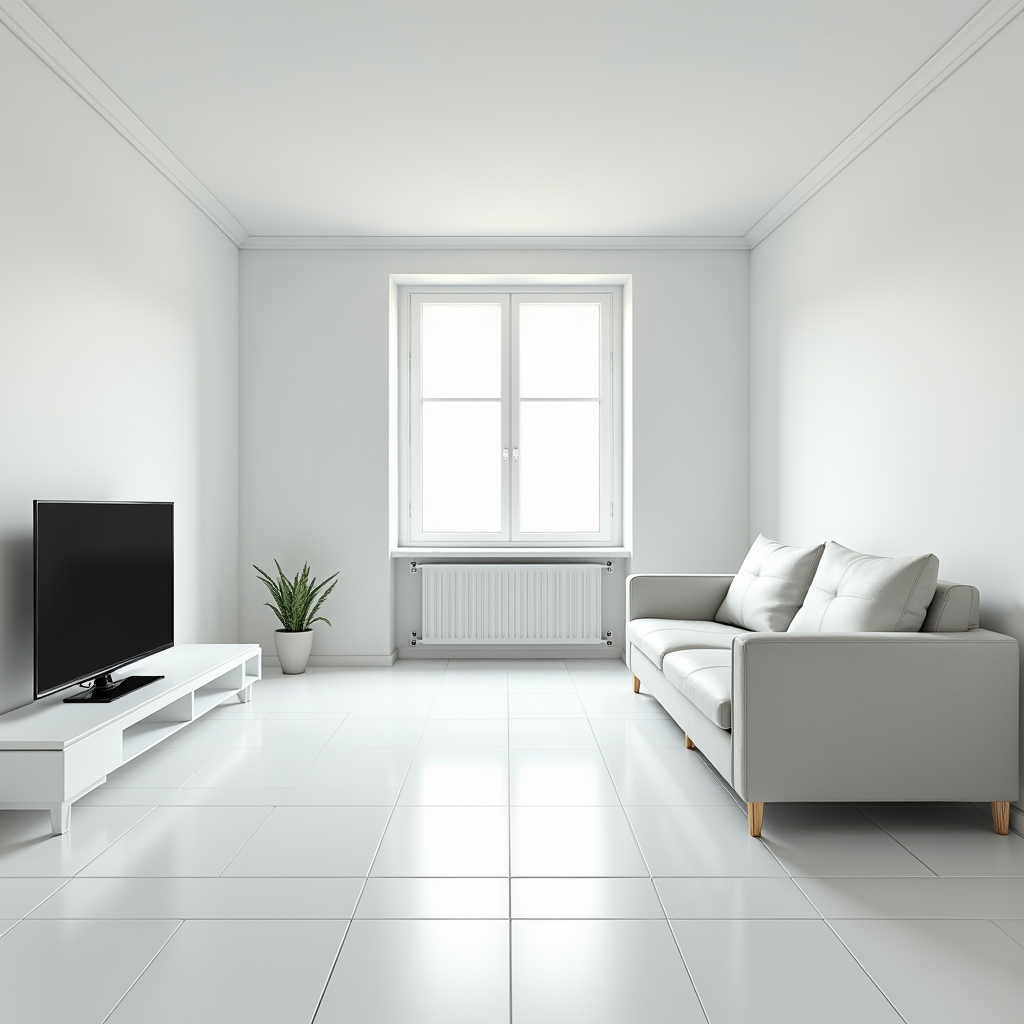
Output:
(928, 715)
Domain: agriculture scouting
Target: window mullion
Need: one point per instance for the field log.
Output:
(512, 416)
(414, 507)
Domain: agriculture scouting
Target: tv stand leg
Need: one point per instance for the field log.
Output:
(245, 694)
(60, 818)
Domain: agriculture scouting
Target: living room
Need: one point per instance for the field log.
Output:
(818, 267)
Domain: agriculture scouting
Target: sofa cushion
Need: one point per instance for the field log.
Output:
(705, 677)
(656, 637)
(770, 585)
(853, 592)
(954, 609)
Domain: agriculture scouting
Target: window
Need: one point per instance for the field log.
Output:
(510, 406)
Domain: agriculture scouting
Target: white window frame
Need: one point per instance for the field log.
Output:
(410, 298)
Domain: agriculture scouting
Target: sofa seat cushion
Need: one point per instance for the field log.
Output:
(853, 593)
(705, 677)
(657, 637)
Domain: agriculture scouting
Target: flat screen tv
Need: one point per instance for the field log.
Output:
(104, 592)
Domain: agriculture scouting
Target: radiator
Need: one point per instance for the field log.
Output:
(511, 604)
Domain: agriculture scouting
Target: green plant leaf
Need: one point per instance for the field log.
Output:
(296, 601)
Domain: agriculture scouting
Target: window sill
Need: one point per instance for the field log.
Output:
(509, 552)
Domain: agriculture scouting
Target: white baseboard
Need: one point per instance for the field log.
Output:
(341, 660)
(508, 652)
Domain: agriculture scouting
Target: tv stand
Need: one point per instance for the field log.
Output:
(52, 753)
(104, 689)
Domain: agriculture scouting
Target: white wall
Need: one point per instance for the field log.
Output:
(314, 356)
(887, 344)
(118, 352)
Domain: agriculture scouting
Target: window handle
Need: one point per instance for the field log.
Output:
(515, 454)
(504, 455)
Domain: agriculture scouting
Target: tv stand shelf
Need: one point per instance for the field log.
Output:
(52, 753)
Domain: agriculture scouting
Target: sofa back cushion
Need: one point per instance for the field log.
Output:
(854, 593)
(770, 586)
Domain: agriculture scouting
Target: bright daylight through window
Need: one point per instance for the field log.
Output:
(510, 417)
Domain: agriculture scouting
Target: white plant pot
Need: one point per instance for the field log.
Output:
(293, 650)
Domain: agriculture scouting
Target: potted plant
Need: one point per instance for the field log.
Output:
(296, 603)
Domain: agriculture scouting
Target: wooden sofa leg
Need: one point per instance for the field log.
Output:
(690, 745)
(1001, 817)
(636, 685)
(755, 816)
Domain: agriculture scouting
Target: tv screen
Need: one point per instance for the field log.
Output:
(104, 587)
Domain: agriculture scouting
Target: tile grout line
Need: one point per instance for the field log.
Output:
(1013, 938)
(149, 964)
(366, 878)
(133, 825)
(741, 807)
(789, 875)
(795, 880)
(45, 899)
(508, 763)
(867, 973)
(650, 876)
(273, 807)
(885, 831)
(900, 878)
(270, 810)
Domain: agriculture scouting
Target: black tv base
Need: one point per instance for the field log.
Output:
(104, 690)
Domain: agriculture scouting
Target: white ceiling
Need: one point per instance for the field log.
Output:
(473, 117)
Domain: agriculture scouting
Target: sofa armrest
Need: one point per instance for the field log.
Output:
(675, 596)
(875, 716)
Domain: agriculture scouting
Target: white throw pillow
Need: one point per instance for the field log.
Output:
(770, 586)
(856, 593)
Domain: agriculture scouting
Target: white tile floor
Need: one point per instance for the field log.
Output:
(490, 841)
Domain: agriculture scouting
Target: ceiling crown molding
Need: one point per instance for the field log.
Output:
(495, 242)
(990, 20)
(17, 16)
(60, 58)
